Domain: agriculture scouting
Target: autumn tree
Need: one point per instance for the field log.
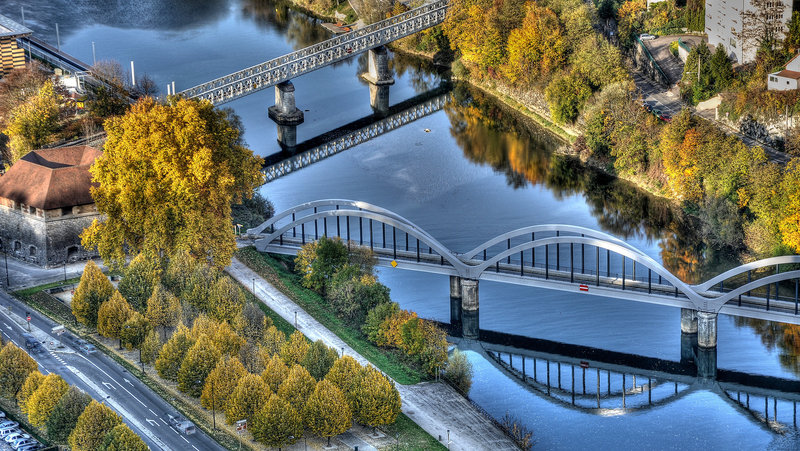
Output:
(629, 19)
(789, 224)
(275, 372)
(163, 309)
(221, 382)
(15, 366)
(198, 285)
(226, 300)
(352, 294)
(201, 358)
(92, 426)
(297, 387)
(64, 416)
(249, 396)
(150, 348)
(254, 357)
(377, 401)
(277, 424)
(93, 289)
(391, 329)
(294, 350)
(327, 412)
(346, 374)
(179, 268)
(274, 340)
(134, 331)
(375, 319)
(319, 359)
(171, 356)
(459, 371)
(112, 315)
(226, 339)
(251, 323)
(34, 121)
(44, 399)
(138, 280)
(566, 95)
(19, 85)
(318, 261)
(122, 438)
(537, 48)
(166, 180)
(30, 385)
(472, 29)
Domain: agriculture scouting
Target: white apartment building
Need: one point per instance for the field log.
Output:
(724, 23)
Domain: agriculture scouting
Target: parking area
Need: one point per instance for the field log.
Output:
(14, 438)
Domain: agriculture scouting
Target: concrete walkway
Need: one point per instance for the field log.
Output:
(436, 407)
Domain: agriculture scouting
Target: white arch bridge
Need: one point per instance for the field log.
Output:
(555, 256)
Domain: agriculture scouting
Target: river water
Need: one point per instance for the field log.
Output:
(464, 174)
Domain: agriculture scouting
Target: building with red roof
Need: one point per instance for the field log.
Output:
(45, 203)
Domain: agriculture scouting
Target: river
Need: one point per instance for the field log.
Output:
(464, 174)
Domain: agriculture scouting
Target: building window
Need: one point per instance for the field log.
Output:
(32, 251)
(66, 211)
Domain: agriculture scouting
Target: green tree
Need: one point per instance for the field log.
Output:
(201, 358)
(459, 371)
(139, 279)
(318, 261)
(249, 396)
(45, 398)
(65, 414)
(151, 346)
(566, 95)
(294, 350)
(15, 366)
(163, 309)
(721, 69)
(319, 359)
(221, 382)
(791, 43)
(277, 424)
(112, 315)
(226, 300)
(251, 323)
(375, 319)
(166, 181)
(352, 295)
(377, 401)
(93, 289)
(297, 387)
(92, 426)
(134, 331)
(122, 438)
(327, 412)
(171, 356)
(275, 372)
(30, 385)
(33, 122)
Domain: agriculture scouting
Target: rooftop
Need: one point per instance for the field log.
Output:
(51, 178)
(11, 28)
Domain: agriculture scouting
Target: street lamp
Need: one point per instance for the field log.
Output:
(254, 286)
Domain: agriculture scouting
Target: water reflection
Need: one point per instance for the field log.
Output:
(298, 29)
(785, 338)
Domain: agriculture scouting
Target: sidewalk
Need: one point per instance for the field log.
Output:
(436, 407)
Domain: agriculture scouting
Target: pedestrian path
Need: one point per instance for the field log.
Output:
(436, 407)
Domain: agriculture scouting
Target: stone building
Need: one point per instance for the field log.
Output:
(45, 204)
(724, 23)
(11, 55)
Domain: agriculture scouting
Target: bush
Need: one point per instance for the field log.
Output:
(459, 371)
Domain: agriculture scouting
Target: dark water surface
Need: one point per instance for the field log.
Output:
(477, 173)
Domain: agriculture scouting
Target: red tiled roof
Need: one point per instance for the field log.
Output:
(788, 74)
(51, 178)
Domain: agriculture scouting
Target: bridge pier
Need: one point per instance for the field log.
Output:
(378, 72)
(284, 112)
(379, 99)
(688, 335)
(455, 301)
(707, 329)
(287, 136)
(469, 309)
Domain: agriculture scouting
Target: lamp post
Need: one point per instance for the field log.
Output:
(8, 281)
(295, 319)
(213, 405)
(254, 286)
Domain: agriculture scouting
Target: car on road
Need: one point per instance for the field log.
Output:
(32, 343)
(181, 424)
(85, 347)
(647, 37)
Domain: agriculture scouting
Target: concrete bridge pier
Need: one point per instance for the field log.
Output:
(706, 345)
(378, 72)
(284, 112)
(688, 335)
(469, 309)
(455, 301)
(287, 136)
(379, 99)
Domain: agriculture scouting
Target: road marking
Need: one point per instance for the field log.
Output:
(174, 430)
(151, 411)
(162, 420)
(184, 439)
(102, 371)
(128, 382)
(152, 422)
(195, 447)
(109, 386)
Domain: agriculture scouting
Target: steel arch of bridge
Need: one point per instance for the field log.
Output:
(270, 73)
(709, 296)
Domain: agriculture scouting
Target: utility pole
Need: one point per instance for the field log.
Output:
(94, 58)
(22, 8)
(58, 39)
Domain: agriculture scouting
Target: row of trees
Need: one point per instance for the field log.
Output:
(65, 414)
(347, 280)
(232, 357)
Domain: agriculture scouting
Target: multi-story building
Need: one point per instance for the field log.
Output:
(11, 55)
(45, 203)
(726, 24)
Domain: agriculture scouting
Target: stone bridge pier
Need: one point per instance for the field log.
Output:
(286, 114)
(379, 77)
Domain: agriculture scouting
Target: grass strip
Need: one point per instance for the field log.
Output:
(410, 436)
(277, 273)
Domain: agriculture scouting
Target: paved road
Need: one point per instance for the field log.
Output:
(436, 407)
(104, 379)
(667, 101)
(20, 274)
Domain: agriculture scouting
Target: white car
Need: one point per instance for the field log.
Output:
(20, 442)
(647, 37)
(16, 435)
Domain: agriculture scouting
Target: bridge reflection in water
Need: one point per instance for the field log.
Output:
(610, 383)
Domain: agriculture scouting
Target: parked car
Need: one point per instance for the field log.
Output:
(8, 430)
(8, 423)
(31, 447)
(647, 37)
(2, 414)
(20, 442)
(15, 435)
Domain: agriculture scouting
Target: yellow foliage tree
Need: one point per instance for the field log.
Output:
(273, 340)
(95, 422)
(789, 224)
(139, 279)
(93, 289)
(166, 181)
(277, 424)
(294, 350)
(275, 373)
(297, 387)
(221, 382)
(249, 396)
(30, 385)
(200, 360)
(45, 398)
(377, 401)
(392, 328)
(227, 340)
(112, 315)
(172, 353)
(346, 374)
(226, 300)
(327, 412)
(15, 366)
(34, 121)
(537, 48)
(122, 438)
(163, 309)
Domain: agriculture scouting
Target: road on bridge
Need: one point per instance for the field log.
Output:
(102, 378)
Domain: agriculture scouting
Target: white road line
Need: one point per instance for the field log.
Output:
(184, 439)
(109, 376)
(162, 420)
(195, 447)
(151, 411)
